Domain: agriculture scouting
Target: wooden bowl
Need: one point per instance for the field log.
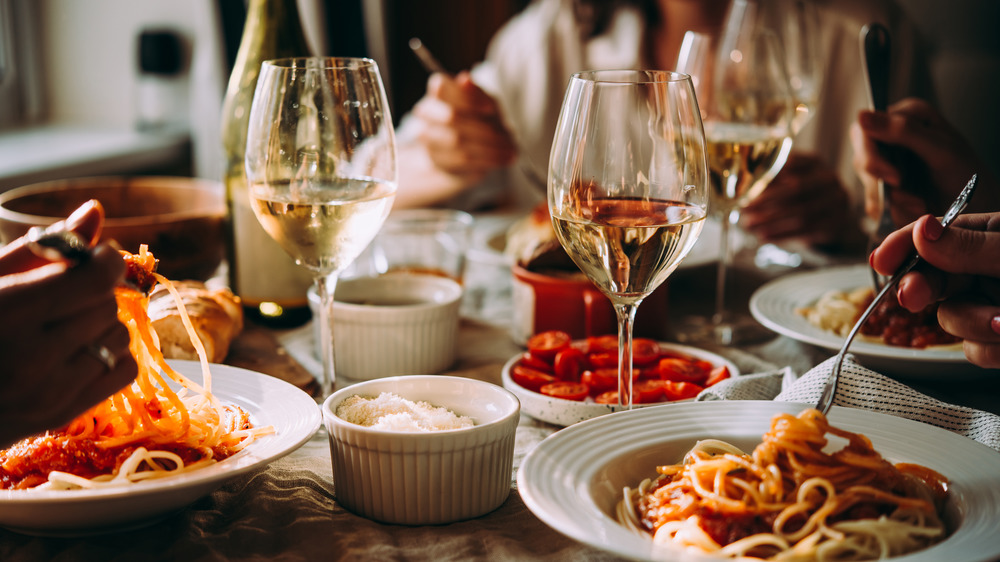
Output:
(180, 219)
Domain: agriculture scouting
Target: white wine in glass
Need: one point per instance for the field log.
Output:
(796, 23)
(321, 168)
(748, 108)
(628, 186)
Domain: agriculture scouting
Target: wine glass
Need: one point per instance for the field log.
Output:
(628, 186)
(321, 168)
(748, 107)
(796, 24)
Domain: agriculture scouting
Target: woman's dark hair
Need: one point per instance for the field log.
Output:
(595, 15)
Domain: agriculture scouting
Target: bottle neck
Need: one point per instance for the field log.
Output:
(273, 29)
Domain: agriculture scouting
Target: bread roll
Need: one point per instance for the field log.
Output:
(532, 243)
(215, 314)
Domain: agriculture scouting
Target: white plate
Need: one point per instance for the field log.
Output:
(573, 480)
(294, 415)
(560, 411)
(774, 305)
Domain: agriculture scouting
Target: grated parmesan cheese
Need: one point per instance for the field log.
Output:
(394, 413)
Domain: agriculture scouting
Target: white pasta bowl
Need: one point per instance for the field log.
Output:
(432, 477)
(395, 324)
(573, 480)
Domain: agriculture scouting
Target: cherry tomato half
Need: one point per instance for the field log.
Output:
(647, 391)
(649, 372)
(529, 360)
(600, 380)
(609, 397)
(718, 374)
(566, 390)
(680, 390)
(601, 344)
(545, 345)
(529, 378)
(684, 370)
(569, 364)
(644, 352)
(604, 359)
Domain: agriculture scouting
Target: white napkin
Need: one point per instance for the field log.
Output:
(859, 387)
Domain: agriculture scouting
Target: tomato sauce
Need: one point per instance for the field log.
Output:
(27, 463)
(726, 528)
(897, 326)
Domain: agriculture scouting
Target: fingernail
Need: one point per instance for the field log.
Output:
(899, 292)
(871, 259)
(79, 213)
(995, 324)
(932, 229)
(901, 299)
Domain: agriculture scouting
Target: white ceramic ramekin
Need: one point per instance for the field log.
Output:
(425, 478)
(395, 324)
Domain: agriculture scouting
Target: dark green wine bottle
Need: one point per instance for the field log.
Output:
(267, 280)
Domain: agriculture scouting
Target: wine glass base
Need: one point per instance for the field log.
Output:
(729, 330)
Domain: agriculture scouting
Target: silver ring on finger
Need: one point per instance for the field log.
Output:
(102, 354)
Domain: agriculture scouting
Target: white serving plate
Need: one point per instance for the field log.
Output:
(294, 415)
(573, 479)
(560, 411)
(776, 303)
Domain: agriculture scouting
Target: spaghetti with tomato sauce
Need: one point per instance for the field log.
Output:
(147, 429)
(790, 499)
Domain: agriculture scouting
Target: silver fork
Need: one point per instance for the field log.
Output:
(58, 245)
(826, 398)
(875, 44)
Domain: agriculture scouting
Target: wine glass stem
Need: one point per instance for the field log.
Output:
(725, 257)
(626, 319)
(325, 287)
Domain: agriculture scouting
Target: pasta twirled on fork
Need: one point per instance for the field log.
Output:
(147, 429)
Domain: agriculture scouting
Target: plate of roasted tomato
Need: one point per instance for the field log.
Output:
(563, 381)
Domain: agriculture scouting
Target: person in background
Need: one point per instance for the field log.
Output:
(63, 348)
(964, 260)
(482, 137)
(925, 164)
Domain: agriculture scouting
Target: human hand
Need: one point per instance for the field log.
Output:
(52, 316)
(961, 271)
(462, 128)
(930, 160)
(805, 201)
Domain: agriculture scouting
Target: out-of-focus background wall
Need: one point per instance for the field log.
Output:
(76, 100)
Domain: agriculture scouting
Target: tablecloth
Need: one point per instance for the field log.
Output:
(288, 511)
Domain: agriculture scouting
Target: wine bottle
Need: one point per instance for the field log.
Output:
(272, 287)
